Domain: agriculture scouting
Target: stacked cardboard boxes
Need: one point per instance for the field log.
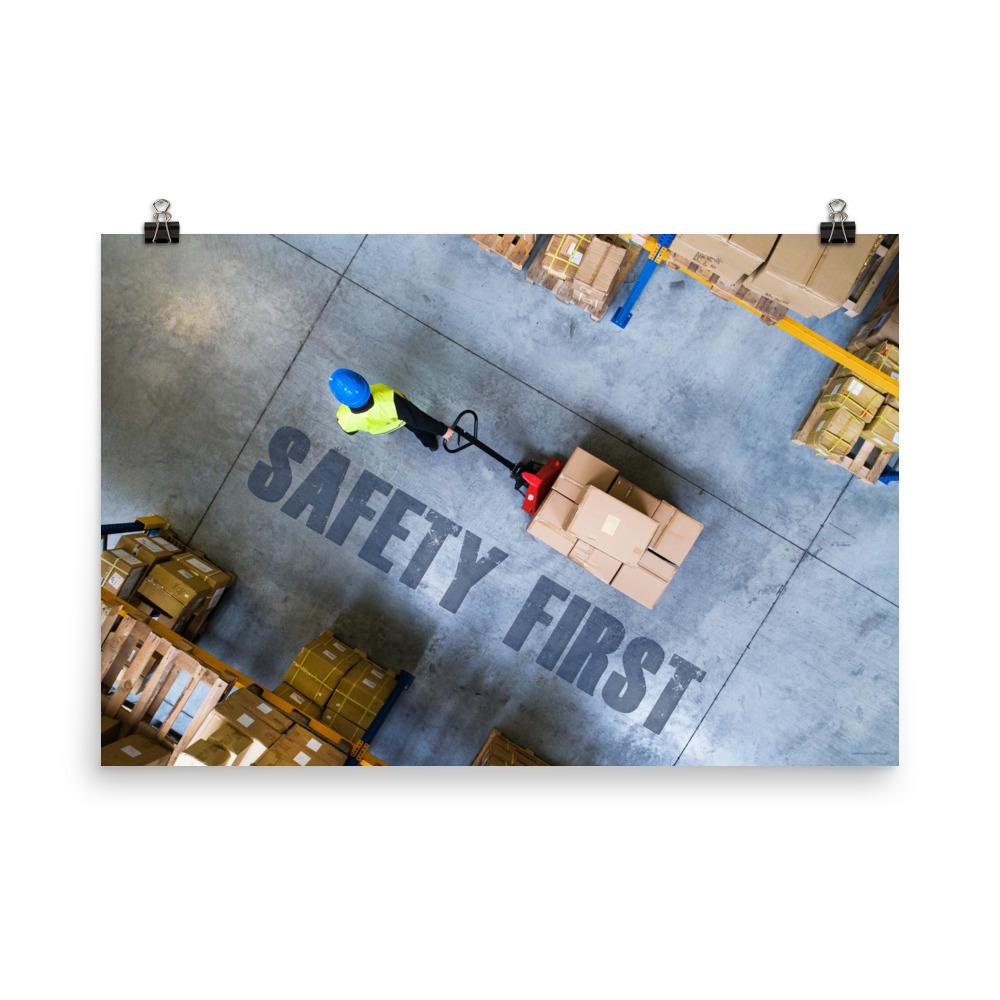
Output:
(596, 273)
(614, 529)
(809, 277)
(339, 685)
(564, 254)
(134, 751)
(147, 549)
(184, 588)
(499, 751)
(301, 748)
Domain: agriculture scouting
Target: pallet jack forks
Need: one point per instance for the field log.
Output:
(532, 480)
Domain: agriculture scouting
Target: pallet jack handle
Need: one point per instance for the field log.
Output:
(469, 438)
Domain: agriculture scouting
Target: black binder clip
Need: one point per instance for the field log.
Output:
(161, 229)
(838, 229)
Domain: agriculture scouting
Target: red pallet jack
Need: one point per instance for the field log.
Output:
(532, 480)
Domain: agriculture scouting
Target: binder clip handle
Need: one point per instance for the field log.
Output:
(170, 232)
(828, 231)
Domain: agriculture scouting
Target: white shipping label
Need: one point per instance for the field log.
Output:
(200, 566)
(296, 697)
(368, 682)
(302, 759)
(131, 751)
(895, 438)
(576, 257)
(115, 581)
(168, 546)
(837, 388)
(611, 524)
(127, 557)
(245, 720)
(329, 654)
(150, 544)
(313, 744)
(377, 673)
(263, 708)
(895, 375)
(854, 387)
(215, 597)
(340, 646)
(185, 574)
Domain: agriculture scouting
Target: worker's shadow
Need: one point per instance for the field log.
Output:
(390, 638)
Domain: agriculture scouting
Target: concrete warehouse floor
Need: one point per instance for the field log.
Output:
(780, 632)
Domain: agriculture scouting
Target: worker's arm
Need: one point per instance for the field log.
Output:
(415, 418)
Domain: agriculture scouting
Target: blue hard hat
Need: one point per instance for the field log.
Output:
(350, 387)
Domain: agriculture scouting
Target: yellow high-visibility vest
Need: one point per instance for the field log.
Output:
(380, 419)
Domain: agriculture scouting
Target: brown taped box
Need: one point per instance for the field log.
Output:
(551, 521)
(564, 253)
(854, 395)
(298, 700)
(642, 586)
(362, 693)
(613, 526)
(351, 731)
(148, 550)
(121, 572)
(597, 271)
(134, 751)
(883, 431)
(205, 753)
(173, 588)
(583, 470)
(109, 729)
(836, 432)
(675, 538)
(299, 747)
(626, 491)
(216, 578)
(320, 665)
(658, 566)
(595, 562)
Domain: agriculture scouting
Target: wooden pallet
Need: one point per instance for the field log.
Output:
(872, 274)
(135, 660)
(562, 288)
(866, 460)
(514, 247)
(499, 751)
(770, 310)
(875, 331)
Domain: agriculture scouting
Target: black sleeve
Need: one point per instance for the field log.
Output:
(416, 419)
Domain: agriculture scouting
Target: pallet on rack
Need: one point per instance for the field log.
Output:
(871, 274)
(562, 288)
(513, 247)
(499, 751)
(877, 328)
(866, 460)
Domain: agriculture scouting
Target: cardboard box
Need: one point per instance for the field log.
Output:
(639, 584)
(252, 717)
(884, 357)
(351, 731)
(320, 665)
(732, 257)
(811, 278)
(883, 431)
(148, 550)
(217, 579)
(612, 526)
(595, 562)
(564, 253)
(677, 537)
(639, 499)
(596, 273)
(109, 729)
(299, 700)
(662, 516)
(134, 751)
(233, 739)
(173, 588)
(299, 747)
(121, 572)
(836, 432)
(658, 566)
(205, 753)
(362, 693)
(583, 470)
(551, 521)
(854, 395)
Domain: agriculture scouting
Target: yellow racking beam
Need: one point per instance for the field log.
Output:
(876, 378)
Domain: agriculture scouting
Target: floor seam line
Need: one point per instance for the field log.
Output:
(580, 416)
(774, 603)
(266, 406)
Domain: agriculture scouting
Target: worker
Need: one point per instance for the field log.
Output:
(377, 409)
